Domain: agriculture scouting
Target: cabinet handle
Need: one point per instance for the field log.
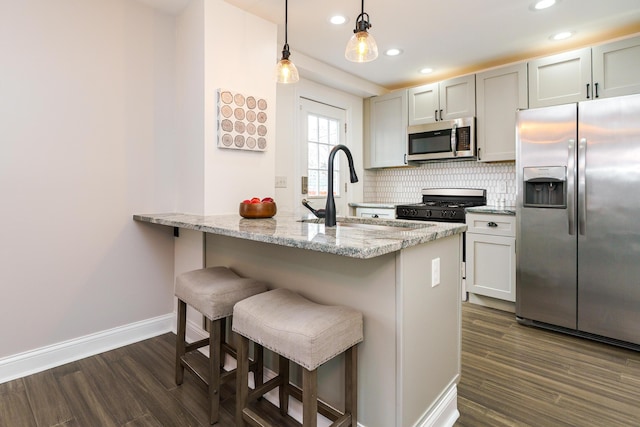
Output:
(492, 224)
(435, 115)
(405, 158)
(440, 114)
(595, 85)
(588, 97)
(479, 156)
(375, 216)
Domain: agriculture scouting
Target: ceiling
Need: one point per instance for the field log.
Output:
(452, 37)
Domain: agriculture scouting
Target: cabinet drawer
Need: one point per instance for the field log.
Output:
(376, 212)
(497, 225)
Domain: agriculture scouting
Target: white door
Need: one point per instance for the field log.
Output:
(322, 127)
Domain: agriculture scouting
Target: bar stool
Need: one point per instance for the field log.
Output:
(303, 332)
(213, 292)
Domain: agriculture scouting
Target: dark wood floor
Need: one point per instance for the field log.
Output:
(511, 376)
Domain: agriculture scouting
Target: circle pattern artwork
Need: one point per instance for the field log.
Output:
(227, 140)
(242, 121)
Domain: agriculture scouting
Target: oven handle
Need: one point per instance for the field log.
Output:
(454, 145)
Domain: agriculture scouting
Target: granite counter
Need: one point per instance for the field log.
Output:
(311, 234)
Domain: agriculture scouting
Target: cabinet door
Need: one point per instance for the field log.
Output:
(388, 130)
(560, 79)
(500, 93)
(424, 104)
(616, 68)
(458, 97)
(491, 266)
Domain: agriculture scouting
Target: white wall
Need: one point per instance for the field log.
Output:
(240, 55)
(87, 127)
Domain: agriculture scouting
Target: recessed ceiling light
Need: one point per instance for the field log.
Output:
(393, 52)
(561, 36)
(426, 71)
(543, 4)
(338, 20)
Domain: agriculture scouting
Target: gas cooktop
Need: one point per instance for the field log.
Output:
(443, 204)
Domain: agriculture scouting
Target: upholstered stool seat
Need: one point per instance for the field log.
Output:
(306, 333)
(213, 292)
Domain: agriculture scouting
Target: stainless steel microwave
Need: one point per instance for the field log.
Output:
(443, 140)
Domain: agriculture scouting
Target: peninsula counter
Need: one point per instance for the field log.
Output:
(409, 362)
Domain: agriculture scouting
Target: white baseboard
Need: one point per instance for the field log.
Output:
(445, 413)
(33, 361)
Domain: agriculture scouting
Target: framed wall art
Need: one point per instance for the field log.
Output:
(242, 121)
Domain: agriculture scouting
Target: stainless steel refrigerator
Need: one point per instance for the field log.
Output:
(578, 218)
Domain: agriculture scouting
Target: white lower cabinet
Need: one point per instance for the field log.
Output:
(491, 255)
(376, 213)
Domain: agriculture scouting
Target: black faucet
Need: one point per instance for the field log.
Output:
(319, 213)
(330, 209)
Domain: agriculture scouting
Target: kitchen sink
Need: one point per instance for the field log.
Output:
(365, 224)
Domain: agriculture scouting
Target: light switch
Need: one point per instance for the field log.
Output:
(281, 182)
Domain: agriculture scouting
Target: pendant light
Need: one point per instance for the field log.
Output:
(286, 71)
(361, 47)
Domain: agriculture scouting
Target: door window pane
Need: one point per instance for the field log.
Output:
(322, 135)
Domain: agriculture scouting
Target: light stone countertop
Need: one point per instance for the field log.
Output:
(507, 210)
(353, 239)
(374, 205)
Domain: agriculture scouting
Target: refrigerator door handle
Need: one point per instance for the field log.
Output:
(571, 173)
(582, 186)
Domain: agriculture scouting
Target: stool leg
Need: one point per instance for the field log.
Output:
(309, 397)
(180, 339)
(258, 373)
(283, 371)
(214, 369)
(351, 384)
(242, 377)
(223, 335)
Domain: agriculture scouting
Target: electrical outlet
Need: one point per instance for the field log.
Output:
(435, 272)
(281, 182)
(502, 187)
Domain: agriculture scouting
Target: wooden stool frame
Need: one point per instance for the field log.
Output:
(308, 395)
(218, 347)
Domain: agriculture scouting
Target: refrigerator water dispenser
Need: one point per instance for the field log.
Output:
(545, 187)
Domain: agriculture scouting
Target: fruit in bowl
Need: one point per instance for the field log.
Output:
(258, 208)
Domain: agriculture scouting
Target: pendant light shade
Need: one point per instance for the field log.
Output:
(286, 71)
(361, 47)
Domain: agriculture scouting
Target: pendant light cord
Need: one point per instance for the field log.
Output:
(286, 21)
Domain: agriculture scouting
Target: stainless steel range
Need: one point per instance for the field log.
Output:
(443, 204)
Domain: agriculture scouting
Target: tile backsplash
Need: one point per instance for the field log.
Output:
(404, 185)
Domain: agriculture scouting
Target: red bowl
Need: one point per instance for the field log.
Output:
(258, 210)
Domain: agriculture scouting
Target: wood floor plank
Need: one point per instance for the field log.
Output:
(115, 392)
(15, 409)
(45, 397)
(155, 396)
(87, 407)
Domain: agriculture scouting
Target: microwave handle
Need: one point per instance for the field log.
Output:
(454, 144)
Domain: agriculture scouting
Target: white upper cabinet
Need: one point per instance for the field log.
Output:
(616, 68)
(567, 77)
(387, 133)
(424, 104)
(499, 93)
(560, 79)
(449, 99)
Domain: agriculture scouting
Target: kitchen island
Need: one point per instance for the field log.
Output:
(403, 275)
